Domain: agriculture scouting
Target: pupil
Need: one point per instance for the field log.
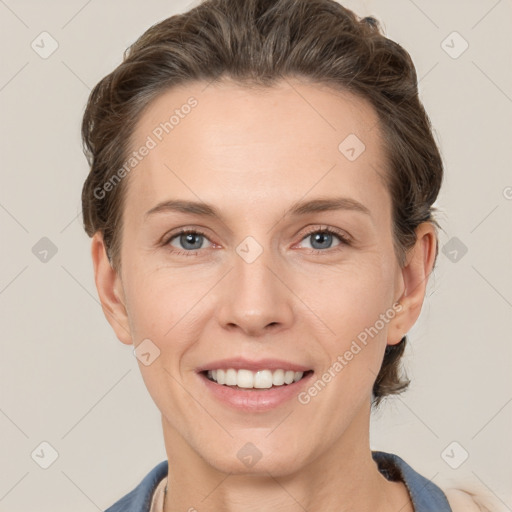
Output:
(189, 237)
(321, 236)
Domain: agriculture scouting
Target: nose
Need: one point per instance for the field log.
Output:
(256, 298)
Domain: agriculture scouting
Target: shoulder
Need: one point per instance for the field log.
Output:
(461, 501)
(141, 497)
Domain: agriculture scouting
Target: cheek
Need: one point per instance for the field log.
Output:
(351, 298)
(165, 307)
(163, 303)
(352, 311)
(171, 306)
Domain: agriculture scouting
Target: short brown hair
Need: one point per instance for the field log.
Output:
(258, 42)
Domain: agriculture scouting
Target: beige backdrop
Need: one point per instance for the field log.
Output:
(78, 428)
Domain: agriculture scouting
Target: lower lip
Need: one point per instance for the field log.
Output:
(255, 400)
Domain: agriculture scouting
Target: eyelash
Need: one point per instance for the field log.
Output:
(343, 238)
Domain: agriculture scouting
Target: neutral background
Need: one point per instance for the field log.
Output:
(67, 381)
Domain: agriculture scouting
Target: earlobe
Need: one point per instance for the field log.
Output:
(110, 290)
(415, 274)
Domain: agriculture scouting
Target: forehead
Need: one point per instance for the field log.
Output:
(206, 140)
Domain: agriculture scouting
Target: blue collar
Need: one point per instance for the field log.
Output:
(425, 495)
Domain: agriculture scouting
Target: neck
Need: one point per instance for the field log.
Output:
(343, 477)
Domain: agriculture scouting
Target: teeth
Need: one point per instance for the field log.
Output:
(262, 379)
(278, 378)
(231, 377)
(221, 376)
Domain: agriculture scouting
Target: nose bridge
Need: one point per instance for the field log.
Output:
(257, 298)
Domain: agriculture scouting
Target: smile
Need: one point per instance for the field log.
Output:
(247, 397)
(247, 379)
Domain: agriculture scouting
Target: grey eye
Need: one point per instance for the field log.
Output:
(189, 241)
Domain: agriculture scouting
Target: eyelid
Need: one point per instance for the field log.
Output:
(341, 234)
(166, 239)
(345, 239)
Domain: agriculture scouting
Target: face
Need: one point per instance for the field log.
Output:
(269, 276)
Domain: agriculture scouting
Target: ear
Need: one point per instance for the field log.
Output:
(414, 278)
(110, 290)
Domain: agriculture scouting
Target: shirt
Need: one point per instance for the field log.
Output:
(426, 496)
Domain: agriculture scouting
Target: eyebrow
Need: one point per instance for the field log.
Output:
(297, 209)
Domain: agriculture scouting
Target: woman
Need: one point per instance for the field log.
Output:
(260, 201)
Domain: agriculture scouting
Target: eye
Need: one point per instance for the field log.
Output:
(188, 242)
(189, 239)
(321, 239)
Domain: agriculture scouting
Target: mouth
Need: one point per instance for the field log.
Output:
(261, 380)
(254, 386)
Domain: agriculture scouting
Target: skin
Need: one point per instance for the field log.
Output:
(252, 154)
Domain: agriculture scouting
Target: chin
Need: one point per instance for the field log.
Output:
(252, 458)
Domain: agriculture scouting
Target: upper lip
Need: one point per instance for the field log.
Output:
(239, 363)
